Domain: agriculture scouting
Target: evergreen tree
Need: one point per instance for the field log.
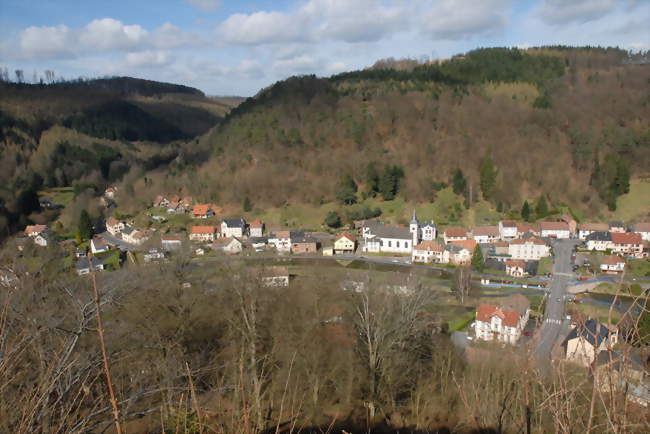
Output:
(542, 207)
(346, 192)
(389, 183)
(478, 263)
(488, 174)
(372, 180)
(85, 227)
(247, 205)
(333, 219)
(458, 182)
(525, 211)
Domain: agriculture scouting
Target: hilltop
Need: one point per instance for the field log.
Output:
(89, 133)
(568, 124)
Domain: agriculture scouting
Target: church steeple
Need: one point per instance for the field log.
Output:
(414, 219)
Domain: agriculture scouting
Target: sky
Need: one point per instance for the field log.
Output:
(239, 47)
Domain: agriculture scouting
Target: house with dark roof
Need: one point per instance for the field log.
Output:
(388, 239)
(233, 227)
(85, 265)
(586, 341)
(623, 371)
(642, 229)
(599, 241)
(617, 226)
(586, 229)
(304, 245)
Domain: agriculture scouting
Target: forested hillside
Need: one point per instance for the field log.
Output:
(497, 126)
(89, 133)
(567, 124)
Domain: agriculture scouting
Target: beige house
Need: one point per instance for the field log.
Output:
(203, 233)
(486, 234)
(612, 264)
(627, 244)
(345, 243)
(454, 234)
(114, 226)
(528, 249)
(586, 341)
(429, 251)
(230, 245)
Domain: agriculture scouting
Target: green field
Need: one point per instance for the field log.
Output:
(639, 267)
(58, 195)
(635, 204)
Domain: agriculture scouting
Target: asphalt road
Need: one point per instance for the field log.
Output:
(555, 316)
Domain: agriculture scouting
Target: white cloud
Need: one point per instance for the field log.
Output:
(304, 64)
(205, 5)
(149, 58)
(100, 35)
(316, 20)
(250, 69)
(262, 27)
(463, 19)
(561, 12)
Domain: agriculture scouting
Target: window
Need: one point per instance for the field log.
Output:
(397, 244)
(389, 244)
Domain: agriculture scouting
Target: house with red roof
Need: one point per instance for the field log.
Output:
(486, 234)
(345, 243)
(430, 251)
(256, 228)
(202, 211)
(504, 322)
(559, 230)
(642, 229)
(627, 244)
(515, 268)
(203, 233)
(454, 234)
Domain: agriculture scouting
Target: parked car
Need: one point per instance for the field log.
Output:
(528, 334)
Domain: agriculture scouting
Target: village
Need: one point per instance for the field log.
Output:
(511, 253)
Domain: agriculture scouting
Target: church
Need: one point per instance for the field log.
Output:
(382, 238)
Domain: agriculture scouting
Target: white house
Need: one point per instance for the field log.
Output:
(599, 241)
(161, 201)
(428, 231)
(528, 249)
(486, 234)
(617, 227)
(388, 239)
(586, 229)
(233, 228)
(428, 252)
(515, 268)
(109, 193)
(229, 245)
(203, 233)
(98, 245)
(504, 323)
(508, 230)
(642, 229)
(612, 264)
(281, 240)
(559, 230)
(256, 228)
(114, 226)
